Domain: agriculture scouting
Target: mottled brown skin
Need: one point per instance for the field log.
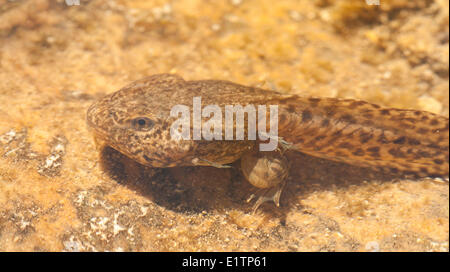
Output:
(364, 134)
(344, 130)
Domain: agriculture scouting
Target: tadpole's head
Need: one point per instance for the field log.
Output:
(136, 122)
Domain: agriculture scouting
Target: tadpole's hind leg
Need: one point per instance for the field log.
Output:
(268, 195)
(267, 171)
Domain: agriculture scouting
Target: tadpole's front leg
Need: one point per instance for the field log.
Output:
(201, 161)
(267, 171)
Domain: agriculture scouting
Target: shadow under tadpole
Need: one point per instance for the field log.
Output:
(181, 189)
(198, 189)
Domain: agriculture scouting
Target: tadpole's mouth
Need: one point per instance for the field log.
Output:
(97, 119)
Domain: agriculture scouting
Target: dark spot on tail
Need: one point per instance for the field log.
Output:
(365, 137)
(359, 152)
(375, 106)
(330, 111)
(319, 138)
(424, 170)
(325, 122)
(385, 112)
(314, 101)
(434, 122)
(435, 146)
(424, 154)
(306, 116)
(393, 170)
(348, 118)
(382, 139)
(346, 145)
(400, 140)
(338, 133)
(438, 161)
(396, 153)
(413, 141)
(374, 151)
(291, 108)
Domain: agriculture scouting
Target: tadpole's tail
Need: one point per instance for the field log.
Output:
(364, 134)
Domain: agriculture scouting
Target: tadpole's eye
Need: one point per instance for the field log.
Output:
(142, 123)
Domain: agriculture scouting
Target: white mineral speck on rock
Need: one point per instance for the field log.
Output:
(372, 246)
